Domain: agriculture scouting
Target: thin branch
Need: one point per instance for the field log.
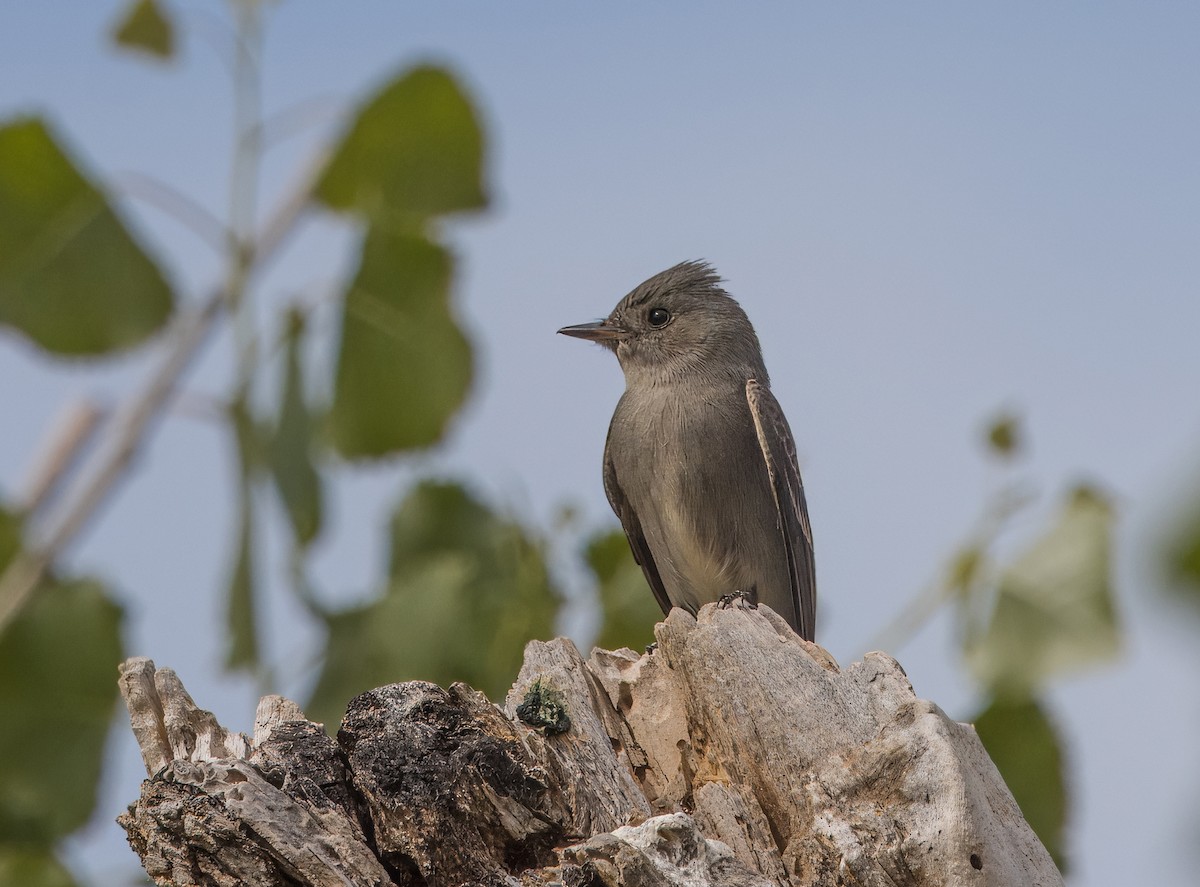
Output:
(130, 434)
(997, 514)
(243, 196)
(73, 430)
(297, 118)
(913, 617)
(214, 31)
(30, 564)
(177, 205)
(200, 407)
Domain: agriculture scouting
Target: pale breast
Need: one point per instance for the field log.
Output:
(700, 489)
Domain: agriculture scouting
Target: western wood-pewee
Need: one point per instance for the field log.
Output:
(700, 465)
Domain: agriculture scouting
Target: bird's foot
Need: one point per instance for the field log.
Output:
(725, 601)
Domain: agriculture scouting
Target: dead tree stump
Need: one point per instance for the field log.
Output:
(735, 754)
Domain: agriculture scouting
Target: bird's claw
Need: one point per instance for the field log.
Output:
(725, 601)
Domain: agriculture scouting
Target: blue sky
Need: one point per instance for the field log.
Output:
(931, 211)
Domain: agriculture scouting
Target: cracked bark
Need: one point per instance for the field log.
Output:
(736, 754)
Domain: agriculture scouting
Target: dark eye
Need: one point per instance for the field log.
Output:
(658, 317)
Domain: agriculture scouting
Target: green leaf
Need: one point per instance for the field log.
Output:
(72, 278)
(404, 366)
(58, 667)
(1054, 607)
(1025, 748)
(415, 150)
(1185, 557)
(146, 28)
(242, 648)
(10, 537)
(629, 610)
(1182, 557)
(1004, 436)
(467, 590)
(965, 568)
(291, 460)
(442, 518)
(32, 867)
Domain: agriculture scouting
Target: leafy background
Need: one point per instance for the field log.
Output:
(967, 237)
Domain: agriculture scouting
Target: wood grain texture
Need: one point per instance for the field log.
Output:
(735, 754)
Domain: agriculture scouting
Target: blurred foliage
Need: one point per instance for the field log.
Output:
(627, 606)
(242, 649)
(1182, 557)
(32, 867)
(1027, 750)
(1054, 608)
(965, 570)
(1048, 612)
(10, 536)
(457, 604)
(413, 152)
(146, 28)
(58, 666)
(404, 366)
(1004, 435)
(292, 444)
(66, 700)
(72, 278)
(466, 589)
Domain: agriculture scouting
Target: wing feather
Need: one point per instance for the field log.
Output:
(779, 453)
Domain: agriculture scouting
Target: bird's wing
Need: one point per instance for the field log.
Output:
(779, 453)
(633, 532)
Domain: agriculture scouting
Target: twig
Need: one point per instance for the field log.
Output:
(913, 617)
(214, 31)
(69, 436)
(295, 119)
(1004, 504)
(200, 407)
(177, 205)
(30, 564)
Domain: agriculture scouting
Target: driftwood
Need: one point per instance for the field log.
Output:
(734, 754)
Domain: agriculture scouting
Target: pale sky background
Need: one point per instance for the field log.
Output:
(930, 210)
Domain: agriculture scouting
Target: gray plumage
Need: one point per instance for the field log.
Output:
(700, 465)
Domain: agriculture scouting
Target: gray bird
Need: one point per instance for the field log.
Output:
(700, 465)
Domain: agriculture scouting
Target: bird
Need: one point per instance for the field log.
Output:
(700, 464)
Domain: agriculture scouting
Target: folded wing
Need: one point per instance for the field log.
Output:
(779, 453)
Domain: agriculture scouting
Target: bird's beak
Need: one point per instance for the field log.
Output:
(600, 331)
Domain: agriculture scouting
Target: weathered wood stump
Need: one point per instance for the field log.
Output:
(735, 754)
